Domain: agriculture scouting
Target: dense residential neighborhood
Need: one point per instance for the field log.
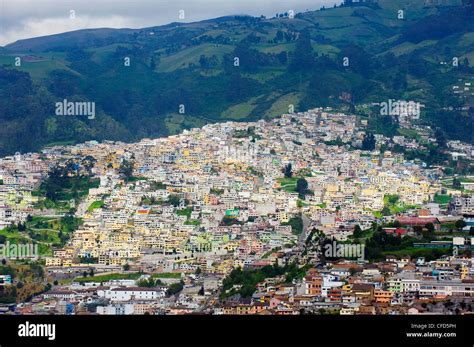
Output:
(308, 213)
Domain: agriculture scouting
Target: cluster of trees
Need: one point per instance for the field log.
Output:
(60, 186)
(296, 224)
(248, 279)
(126, 169)
(8, 294)
(382, 243)
(174, 200)
(88, 273)
(302, 187)
(368, 143)
(303, 58)
(288, 171)
(149, 283)
(23, 110)
(175, 288)
(207, 63)
(251, 60)
(287, 36)
(229, 221)
(438, 26)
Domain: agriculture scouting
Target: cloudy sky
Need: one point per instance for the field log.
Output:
(21, 19)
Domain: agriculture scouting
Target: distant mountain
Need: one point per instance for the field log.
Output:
(241, 68)
(80, 38)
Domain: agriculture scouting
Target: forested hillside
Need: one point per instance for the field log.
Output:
(157, 81)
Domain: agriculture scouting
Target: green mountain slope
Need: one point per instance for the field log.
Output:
(240, 68)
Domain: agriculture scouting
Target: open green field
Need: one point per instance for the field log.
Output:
(442, 199)
(282, 104)
(288, 184)
(110, 277)
(40, 68)
(191, 55)
(240, 111)
(176, 122)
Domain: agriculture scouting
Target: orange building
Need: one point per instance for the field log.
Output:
(382, 296)
(313, 284)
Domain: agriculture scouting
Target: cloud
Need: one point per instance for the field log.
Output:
(20, 19)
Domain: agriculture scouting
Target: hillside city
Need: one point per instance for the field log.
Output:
(307, 213)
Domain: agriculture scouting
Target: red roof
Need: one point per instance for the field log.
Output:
(405, 220)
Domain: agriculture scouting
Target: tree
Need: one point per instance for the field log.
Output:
(303, 56)
(238, 88)
(88, 163)
(175, 288)
(126, 267)
(203, 61)
(149, 283)
(368, 143)
(126, 169)
(440, 138)
(174, 200)
(359, 60)
(456, 183)
(430, 227)
(283, 57)
(466, 62)
(296, 224)
(288, 171)
(399, 82)
(417, 229)
(357, 231)
(302, 187)
(460, 224)
(279, 36)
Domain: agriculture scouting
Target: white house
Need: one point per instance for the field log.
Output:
(132, 293)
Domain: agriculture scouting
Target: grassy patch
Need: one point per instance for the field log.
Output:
(95, 205)
(109, 277)
(175, 275)
(428, 253)
(442, 199)
(192, 222)
(288, 184)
